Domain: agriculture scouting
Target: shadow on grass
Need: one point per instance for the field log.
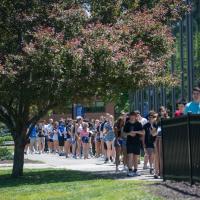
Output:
(37, 177)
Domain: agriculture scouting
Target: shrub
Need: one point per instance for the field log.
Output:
(5, 138)
(5, 154)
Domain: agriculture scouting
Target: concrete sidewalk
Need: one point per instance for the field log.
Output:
(93, 165)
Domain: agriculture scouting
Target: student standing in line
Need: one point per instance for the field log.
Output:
(73, 138)
(67, 139)
(85, 140)
(134, 131)
(97, 138)
(61, 133)
(118, 129)
(181, 108)
(79, 128)
(150, 129)
(55, 137)
(41, 137)
(163, 114)
(143, 121)
(102, 137)
(109, 137)
(49, 129)
(33, 140)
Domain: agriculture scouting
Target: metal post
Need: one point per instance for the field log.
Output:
(164, 97)
(189, 149)
(149, 98)
(142, 102)
(173, 89)
(182, 60)
(155, 99)
(189, 52)
(163, 150)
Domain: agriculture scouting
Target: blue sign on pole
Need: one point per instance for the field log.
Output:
(80, 111)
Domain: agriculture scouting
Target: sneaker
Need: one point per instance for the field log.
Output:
(125, 168)
(155, 176)
(106, 160)
(151, 170)
(137, 173)
(145, 167)
(109, 162)
(111, 159)
(130, 174)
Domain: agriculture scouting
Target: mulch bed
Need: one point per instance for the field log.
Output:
(176, 190)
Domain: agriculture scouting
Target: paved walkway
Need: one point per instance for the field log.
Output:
(92, 165)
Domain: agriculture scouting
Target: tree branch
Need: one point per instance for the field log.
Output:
(31, 123)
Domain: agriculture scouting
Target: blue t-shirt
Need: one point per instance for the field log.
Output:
(61, 129)
(192, 107)
(33, 133)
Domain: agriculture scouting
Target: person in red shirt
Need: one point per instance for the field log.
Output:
(181, 107)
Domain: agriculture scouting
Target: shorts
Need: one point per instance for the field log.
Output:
(73, 141)
(133, 148)
(85, 139)
(61, 141)
(124, 143)
(28, 141)
(105, 145)
(118, 142)
(41, 140)
(98, 139)
(109, 137)
(50, 140)
(150, 151)
(68, 140)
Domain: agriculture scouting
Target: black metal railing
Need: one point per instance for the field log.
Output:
(181, 148)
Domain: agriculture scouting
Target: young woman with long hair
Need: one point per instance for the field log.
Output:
(55, 137)
(109, 137)
(67, 139)
(79, 128)
(163, 114)
(85, 140)
(97, 138)
(118, 129)
(41, 137)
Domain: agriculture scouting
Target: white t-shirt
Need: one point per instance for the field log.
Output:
(79, 129)
(143, 121)
(48, 129)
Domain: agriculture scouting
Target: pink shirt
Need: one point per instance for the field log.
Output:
(84, 133)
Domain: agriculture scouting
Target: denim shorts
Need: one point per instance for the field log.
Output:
(109, 136)
(124, 143)
(85, 139)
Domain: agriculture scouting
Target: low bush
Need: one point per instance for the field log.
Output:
(5, 154)
(5, 138)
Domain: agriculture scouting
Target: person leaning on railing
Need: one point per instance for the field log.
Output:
(194, 106)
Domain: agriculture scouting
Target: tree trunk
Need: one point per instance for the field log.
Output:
(18, 162)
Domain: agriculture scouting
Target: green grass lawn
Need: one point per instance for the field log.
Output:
(52, 184)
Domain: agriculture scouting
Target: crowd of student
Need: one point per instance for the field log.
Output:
(117, 142)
